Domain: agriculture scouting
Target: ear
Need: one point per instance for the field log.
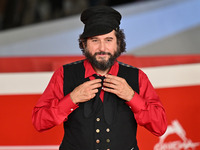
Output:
(84, 43)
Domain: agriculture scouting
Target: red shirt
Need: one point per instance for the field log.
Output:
(53, 107)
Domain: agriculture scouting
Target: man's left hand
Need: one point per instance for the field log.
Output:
(118, 86)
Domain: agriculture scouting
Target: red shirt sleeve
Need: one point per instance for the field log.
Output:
(147, 107)
(52, 107)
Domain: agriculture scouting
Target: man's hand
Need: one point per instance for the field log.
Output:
(85, 91)
(118, 86)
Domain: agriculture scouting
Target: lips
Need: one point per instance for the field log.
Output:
(102, 53)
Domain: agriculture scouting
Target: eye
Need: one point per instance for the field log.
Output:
(94, 40)
(109, 39)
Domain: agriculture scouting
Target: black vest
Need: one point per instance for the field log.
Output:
(94, 133)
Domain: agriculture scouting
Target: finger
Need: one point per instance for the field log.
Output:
(89, 95)
(93, 81)
(94, 91)
(94, 86)
(115, 80)
(110, 85)
(110, 90)
(88, 91)
(96, 83)
(108, 76)
(111, 81)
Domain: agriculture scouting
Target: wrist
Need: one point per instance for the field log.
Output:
(72, 98)
(131, 96)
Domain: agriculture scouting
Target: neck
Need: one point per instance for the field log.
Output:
(101, 72)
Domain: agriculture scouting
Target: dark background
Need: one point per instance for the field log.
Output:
(17, 13)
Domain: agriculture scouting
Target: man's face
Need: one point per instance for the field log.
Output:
(102, 50)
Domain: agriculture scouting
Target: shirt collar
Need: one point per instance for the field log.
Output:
(89, 71)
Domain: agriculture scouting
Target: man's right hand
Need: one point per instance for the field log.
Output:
(85, 91)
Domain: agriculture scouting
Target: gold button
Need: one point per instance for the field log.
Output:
(97, 141)
(108, 140)
(97, 130)
(107, 130)
(98, 119)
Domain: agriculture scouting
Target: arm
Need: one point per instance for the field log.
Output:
(147, 107)
(52, 107)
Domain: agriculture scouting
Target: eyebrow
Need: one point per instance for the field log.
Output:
(109, 38)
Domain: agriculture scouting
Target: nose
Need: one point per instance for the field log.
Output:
(102, 46)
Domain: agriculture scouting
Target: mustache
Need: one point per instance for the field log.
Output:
(102, 53)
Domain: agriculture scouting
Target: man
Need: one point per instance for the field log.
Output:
(99, 99)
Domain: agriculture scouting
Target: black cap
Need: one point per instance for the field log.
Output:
(99, 20)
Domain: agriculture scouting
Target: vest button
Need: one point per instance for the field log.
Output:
(98, 119)
(97, 141)
(107, 130)
(97, 130)
(108, 140)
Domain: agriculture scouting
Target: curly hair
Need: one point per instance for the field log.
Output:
(120, 41)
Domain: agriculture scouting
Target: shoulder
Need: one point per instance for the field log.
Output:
(74, 69)
(127, 66)
(74, 63)
(127, 71)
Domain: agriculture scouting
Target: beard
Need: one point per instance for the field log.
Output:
(103, 64)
